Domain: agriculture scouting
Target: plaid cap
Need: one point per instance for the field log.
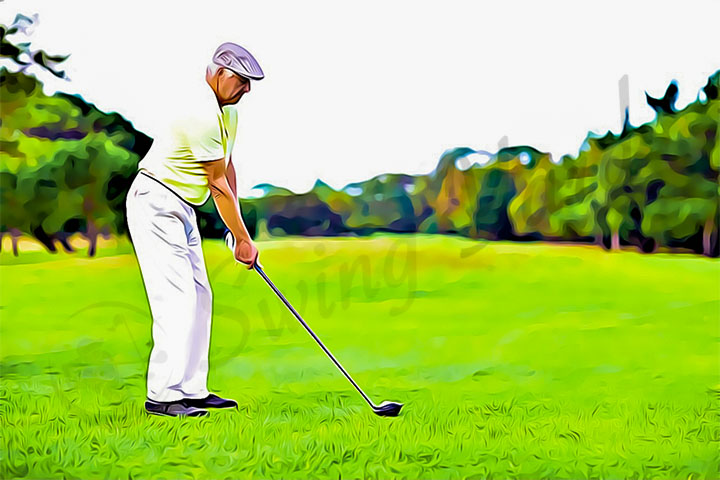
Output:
(239, 60)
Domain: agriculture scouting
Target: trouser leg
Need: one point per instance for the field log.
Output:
(196, 369)
(159, 226)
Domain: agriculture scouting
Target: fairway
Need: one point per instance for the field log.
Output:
(513, 361)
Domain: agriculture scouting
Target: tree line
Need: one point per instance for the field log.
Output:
(66, 166)
(654, 186)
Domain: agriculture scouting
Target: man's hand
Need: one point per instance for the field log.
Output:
(246, 252)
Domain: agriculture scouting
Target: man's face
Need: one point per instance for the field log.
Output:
(232, 86)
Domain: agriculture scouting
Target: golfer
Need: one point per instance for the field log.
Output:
(187, 163)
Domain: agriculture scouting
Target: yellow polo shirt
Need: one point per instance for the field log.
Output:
(197, 130)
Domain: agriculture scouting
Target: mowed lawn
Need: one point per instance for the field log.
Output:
(513, 361)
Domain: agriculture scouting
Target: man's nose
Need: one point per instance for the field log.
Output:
(247, 87)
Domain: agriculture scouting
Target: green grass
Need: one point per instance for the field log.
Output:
(513, 361)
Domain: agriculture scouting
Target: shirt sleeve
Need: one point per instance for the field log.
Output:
(205, 138)
(230, 116)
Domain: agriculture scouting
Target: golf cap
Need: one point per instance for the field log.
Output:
(239, 60)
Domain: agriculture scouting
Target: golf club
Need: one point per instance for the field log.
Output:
(385, 409)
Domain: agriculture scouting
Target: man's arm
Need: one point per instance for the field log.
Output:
(232, 178)
(225, 200)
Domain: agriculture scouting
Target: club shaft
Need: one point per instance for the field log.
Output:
(297, 315)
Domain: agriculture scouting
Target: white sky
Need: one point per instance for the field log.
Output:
(355, 90)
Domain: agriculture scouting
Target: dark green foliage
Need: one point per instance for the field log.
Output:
(491, 213)
(63, 168)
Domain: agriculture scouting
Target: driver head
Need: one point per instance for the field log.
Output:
(388, 409)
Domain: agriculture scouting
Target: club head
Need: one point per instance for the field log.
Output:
(388, 409)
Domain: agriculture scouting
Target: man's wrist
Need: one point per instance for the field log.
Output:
(244, 237)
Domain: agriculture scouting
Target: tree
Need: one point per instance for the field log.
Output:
(529, 210)
(62, 171)
(21, 54)
(573, 198)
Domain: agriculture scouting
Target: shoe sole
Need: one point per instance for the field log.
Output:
(207, 407)
(168, 415)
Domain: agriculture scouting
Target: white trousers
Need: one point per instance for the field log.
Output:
(166, 239)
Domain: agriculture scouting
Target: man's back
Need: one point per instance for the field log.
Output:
(187, 133)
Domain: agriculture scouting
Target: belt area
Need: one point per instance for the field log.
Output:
(168, 188)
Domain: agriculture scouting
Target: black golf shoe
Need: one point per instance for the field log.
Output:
(173, 409)
(211, 401)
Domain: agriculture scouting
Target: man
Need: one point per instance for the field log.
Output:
(188, 162)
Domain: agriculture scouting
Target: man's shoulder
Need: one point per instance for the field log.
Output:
(195, 116)
(198, 102)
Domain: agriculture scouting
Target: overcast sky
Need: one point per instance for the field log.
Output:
(354, 89)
